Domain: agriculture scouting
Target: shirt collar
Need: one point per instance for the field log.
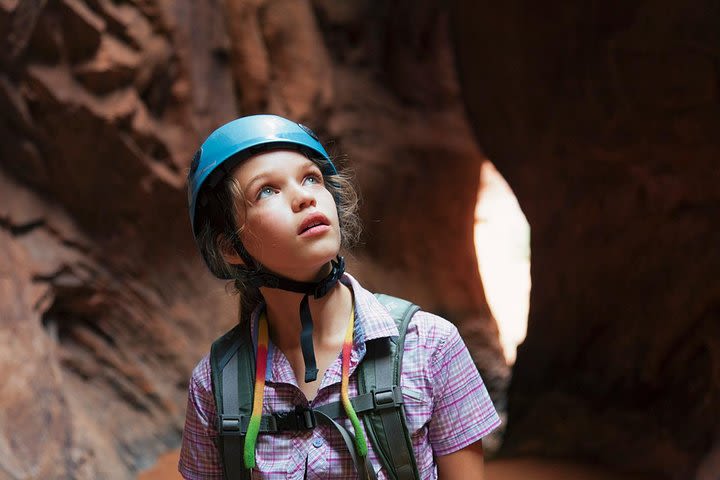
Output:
(372, 320)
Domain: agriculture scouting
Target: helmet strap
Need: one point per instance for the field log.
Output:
(263, 278)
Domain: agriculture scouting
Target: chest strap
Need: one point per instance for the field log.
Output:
(234, 427)
(303, 418)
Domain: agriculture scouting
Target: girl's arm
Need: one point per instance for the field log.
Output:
(463, 464)
(462, 411)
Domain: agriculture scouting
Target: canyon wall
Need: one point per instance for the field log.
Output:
(603, 118)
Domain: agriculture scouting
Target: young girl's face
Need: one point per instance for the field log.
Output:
(290, 220)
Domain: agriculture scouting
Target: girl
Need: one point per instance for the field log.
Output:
(270, 211)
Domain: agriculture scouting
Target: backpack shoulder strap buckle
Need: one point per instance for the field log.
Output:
(232, 425)
(387, 397)
(237, 425)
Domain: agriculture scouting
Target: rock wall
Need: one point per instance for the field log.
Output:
(99, 322)
(604, 118)
(105, 305)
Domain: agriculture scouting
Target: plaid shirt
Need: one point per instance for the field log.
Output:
(446, 403)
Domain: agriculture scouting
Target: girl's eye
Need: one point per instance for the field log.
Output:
(313, 179)
(265, 192)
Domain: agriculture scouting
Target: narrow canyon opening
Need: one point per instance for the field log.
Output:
(502, 243)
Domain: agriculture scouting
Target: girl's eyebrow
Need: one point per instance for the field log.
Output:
(255, 179)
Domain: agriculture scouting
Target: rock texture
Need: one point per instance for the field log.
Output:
(105, 305)
(99, 326)
(604, 118)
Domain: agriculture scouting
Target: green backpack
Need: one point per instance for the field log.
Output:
(379, 400)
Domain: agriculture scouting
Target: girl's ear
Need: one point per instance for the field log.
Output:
(227, 251)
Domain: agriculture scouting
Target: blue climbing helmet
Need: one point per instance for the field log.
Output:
(234, 142)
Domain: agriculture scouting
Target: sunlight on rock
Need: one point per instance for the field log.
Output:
(502, 242)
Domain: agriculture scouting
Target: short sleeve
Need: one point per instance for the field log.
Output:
(462, 410)
(199, 457)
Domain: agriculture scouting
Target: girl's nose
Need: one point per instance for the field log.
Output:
(302, 198)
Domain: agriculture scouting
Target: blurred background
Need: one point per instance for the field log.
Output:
(571, 146)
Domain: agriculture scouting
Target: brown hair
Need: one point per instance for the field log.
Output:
(220, 230)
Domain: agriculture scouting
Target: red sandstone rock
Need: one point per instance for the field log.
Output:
(82, 29)
(113, 67)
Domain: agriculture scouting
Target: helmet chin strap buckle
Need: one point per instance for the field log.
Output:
(324, 286)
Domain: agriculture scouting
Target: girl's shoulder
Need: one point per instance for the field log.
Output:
(430, 333)
(433, 347)
(431, 324)
(201, 377)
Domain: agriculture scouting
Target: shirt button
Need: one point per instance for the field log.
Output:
(317, 443)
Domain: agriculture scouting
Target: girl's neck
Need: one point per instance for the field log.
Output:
(330, 315)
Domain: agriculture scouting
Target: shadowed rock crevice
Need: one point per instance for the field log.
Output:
(601, 122)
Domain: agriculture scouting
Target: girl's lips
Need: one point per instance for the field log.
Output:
(314, 231)
(313, 224)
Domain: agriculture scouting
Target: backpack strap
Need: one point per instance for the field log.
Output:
(379, 374)
(232, 363)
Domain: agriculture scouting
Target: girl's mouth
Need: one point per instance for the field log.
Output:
(314, 224)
